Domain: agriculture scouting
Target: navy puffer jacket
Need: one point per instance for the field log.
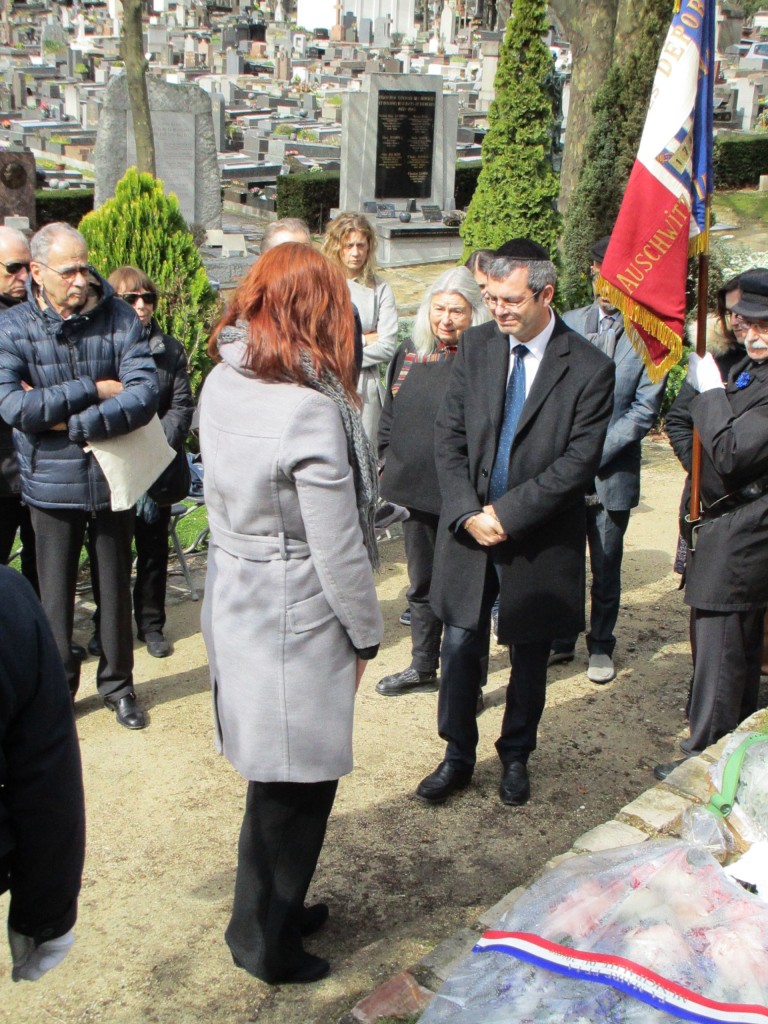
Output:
(62, 360)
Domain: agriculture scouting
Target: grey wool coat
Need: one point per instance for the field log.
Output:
(290, 592)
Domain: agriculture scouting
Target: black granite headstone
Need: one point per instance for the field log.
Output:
(404, 145)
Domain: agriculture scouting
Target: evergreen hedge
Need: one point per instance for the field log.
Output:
(740, 159)
(143, 227)
(69, 205)
(310, 196)
(517, 190)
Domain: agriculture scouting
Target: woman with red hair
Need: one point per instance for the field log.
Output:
(290, 614)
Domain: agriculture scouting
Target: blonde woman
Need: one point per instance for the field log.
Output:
(351, 243)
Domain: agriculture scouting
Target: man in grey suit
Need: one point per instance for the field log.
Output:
(616, 487)
(517, 441)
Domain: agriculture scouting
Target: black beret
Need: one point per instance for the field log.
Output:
(600, 248)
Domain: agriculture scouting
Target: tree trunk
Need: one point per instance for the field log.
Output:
(136, 71)
(589, 26)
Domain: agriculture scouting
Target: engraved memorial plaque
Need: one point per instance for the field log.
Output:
(404, 145)
(431, 212)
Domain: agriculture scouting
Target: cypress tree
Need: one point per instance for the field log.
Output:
(619, 112)
(143, 227)
(517, 189)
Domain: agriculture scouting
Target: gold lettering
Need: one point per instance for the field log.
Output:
(690, 20)
(627, 285)
(697, 6)
(643, 262)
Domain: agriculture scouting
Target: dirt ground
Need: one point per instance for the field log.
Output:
(164, 812)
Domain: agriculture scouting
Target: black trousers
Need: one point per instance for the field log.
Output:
(149, 589)
(280, 841)
(59, 534)
(420, 536)
(460, 680)
(727, 649)
(14, 515)
(151, 540)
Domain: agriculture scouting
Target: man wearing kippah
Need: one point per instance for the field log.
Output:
(616, 487)
(518, 440)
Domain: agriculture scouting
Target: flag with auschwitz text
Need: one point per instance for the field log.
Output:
(663, 215)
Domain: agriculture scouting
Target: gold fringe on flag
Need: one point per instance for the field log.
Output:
(699, 244)
(676, 8)
(635, 313)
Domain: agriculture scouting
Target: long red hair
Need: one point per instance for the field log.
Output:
(293, 298)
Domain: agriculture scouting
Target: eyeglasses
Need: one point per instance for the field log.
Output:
(758, 326)
(133, 297)
(14, 268)
(510, 304)
(70, 273)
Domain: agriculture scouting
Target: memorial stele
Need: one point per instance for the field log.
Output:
(185, 146)
(398, 147)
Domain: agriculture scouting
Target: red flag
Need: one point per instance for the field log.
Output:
(664, 214)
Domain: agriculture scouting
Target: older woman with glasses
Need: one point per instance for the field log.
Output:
(153, 514)
(417, 382)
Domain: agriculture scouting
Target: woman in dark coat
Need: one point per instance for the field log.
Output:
(417, 381)
(153, 514)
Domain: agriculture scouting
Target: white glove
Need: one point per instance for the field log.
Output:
(703, 374)
(31, 962)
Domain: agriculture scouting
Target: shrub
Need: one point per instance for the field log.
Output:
(143, 227)
(517, 189)
(740, 159)
(308, 196)
(70, 206)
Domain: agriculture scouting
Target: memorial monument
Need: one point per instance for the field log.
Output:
(398, 157)
(185, 146)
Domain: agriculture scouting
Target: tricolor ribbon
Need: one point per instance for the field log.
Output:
(622, 974)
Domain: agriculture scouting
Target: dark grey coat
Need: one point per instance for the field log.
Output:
(553, 460)
(728, 572)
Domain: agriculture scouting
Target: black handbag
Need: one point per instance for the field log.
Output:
(173, 483)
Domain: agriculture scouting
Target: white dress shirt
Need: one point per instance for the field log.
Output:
(536, 348)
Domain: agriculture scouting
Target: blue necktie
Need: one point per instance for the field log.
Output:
(513, 406)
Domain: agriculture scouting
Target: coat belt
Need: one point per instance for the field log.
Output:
(259, 547)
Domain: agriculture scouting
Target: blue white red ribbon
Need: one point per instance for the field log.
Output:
(622, 974)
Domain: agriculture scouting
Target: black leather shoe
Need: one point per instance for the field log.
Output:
(408, 681)
(313, 918)
(156, 643)
(662, 771)
(127, 711)
(446, 779)
(94, 645)
(79, 653)
(311, 968)
(515, 788)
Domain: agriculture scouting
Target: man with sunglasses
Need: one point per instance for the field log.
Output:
(73, 369)
(517, 442)
(14, 514)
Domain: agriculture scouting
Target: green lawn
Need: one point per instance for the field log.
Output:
(741, 206)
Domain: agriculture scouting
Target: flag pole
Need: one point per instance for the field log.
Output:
(701, 350)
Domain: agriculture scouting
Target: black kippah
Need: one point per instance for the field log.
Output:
(522, 249)
(600, 248)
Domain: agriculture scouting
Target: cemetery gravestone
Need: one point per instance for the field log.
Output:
(185, 146)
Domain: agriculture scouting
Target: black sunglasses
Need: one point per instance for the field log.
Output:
(133, 297)
(14, 268)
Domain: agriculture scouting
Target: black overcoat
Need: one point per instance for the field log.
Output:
(728, 572)
(553, 461)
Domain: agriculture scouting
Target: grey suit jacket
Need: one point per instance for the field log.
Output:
(636, 404)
